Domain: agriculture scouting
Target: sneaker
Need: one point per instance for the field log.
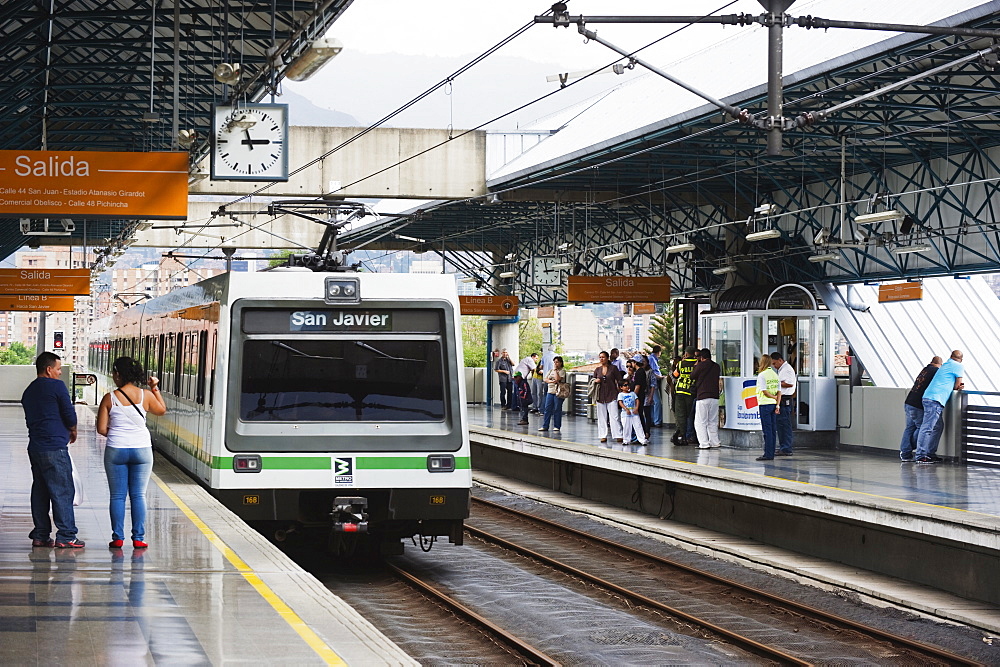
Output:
(116, 544)
(925, 460)
(42, 543)
(544, 429)
(782, 453)
(523, 422)
(935, 458)
(704, 447)
(139, 544)
(764, 458)
(556, 430)
(72, 544)
(906, 460)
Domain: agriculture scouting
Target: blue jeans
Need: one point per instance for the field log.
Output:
(930, 429)
(784, 427)
(769, 425)
(914, 417)
(657, 413)
(553, 411)
(128, 473)
(52, 485)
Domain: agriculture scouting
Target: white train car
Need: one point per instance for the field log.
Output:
(311, 401)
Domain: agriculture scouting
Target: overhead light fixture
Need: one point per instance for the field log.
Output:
(227, 73)
(468, 280)
(506, 274)
(906, 249)
(563, 265)
(563, 247)
(615, 257)
(150, 117)
(312, 59)
(764, 235)
(409, 238)
(509, 256)
(873, 218)
(764, 209)
(825, 257)
(680, 247)
(722, 270)
(143, 226)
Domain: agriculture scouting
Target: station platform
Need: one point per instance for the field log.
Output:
(925, 538)
(208, 590)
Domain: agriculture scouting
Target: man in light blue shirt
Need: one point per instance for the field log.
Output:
(946, 380)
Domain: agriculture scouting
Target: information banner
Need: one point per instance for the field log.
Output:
(644, 309)
(36, 303)
(489, 305)
(742, 413)
(93, 184)
(618, 289)
(52, 282)
(900, 292)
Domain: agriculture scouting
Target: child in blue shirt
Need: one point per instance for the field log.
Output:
(628, 401)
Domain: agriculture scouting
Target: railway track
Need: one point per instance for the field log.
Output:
(794, 633)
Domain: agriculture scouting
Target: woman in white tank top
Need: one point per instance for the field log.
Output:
(128, 454)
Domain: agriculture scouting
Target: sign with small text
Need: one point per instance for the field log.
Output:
(900, 292)
(618, 289)
(36, 303)
(50, 282)
(644, 309)
(93, 184)
(489, 305)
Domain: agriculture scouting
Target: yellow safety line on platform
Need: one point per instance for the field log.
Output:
(328, 655)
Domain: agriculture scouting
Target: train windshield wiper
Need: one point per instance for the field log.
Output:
(386, 355)
(300, 353)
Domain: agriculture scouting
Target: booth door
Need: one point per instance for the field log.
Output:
(804, 341)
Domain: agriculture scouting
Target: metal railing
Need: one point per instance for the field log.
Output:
(980, 427)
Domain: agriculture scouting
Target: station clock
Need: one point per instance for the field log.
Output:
(543, 273)
(250, 143)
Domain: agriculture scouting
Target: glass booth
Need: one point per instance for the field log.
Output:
(753, 320)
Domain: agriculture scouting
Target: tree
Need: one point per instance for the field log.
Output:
(529, 336)
(661, 331)
(474, 341)
(279, 258)
(17, 355)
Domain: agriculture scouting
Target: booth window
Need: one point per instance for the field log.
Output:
(725, 342)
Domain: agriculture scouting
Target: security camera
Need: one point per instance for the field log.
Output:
(227, 73)
(822, 236)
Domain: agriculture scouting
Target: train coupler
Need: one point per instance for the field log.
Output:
(350, 514)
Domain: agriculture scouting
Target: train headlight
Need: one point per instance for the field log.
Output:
(341, 290)
(441, 463)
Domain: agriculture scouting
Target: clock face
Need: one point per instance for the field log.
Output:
(542, 273)
(250, 143)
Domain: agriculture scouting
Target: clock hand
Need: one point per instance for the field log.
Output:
(251, 142)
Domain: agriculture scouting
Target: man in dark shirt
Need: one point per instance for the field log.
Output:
(914, 408)
(51, 420)
(706, 376)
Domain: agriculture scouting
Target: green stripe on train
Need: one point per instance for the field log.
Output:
(324, 463)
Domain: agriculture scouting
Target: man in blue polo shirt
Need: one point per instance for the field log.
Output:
(51, 420)
(946, 380)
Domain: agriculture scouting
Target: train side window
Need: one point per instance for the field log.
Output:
(159, 357)
(211, 384)
(202, 353)
(177, 357)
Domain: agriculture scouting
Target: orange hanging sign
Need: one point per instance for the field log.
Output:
(900, 292)
(36, 303)
(618, 289)
(50, 282)
(488, 305)
(93, 184)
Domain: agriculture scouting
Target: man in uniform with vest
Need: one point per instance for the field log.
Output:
(684, 397)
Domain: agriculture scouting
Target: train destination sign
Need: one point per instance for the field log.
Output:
(618, 289)
(51, 282)
(503, 305)
(339, 320)
(36, 303)
(93, 184)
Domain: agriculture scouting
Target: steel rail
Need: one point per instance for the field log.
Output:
(513, 643)
(819, 614)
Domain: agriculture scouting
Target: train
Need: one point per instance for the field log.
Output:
(310, 402)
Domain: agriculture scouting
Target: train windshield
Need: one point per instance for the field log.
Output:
(364, 380)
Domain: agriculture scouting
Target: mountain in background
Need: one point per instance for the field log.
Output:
(303, 112)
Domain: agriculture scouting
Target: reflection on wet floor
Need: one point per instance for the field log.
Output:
(877, 472)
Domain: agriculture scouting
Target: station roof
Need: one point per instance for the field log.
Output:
(647, 162)
(87, 74)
